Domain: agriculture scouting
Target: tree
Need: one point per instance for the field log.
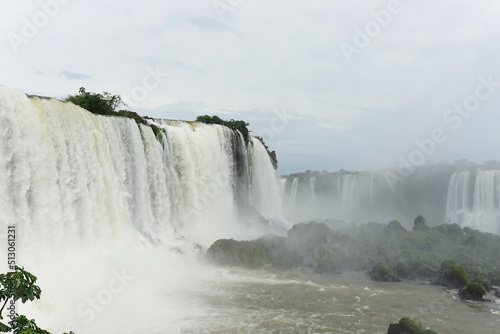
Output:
(419, 224)
(15, 285)
(240, 126)
(103, 104)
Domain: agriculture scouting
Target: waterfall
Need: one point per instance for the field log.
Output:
(312, 187)
(94, 196)
(475, 201)
(293, 191)
(348, 187)
(67, 173)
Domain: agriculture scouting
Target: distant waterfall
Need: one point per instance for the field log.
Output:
(293, 192)
(312, 186)
(474, 200)
(348, 192)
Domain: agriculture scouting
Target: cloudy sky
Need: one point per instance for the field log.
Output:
(329, 84)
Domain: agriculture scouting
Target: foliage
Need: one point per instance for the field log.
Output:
(447, 264)
(485, 282)
(412, 328)
(395, 227)
(419, 224)
(473, 291)
(106, 104)
(476, 289)
(457, 275)
(272, 154)
(382, 273)
(102, 104)
(19, 285)
(240, 126)
(437, 254)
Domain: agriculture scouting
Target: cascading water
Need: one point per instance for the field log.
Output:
(293, 194)
(94, 196)
(348, 192)
(462, 194)
(474, 200)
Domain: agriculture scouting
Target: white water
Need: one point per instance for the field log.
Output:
(474, 200)
(348, 187)
(293, 196)
(92, 195)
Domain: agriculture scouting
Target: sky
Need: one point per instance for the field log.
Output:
(328, 84)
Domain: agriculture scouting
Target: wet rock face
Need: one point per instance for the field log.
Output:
(396, 329)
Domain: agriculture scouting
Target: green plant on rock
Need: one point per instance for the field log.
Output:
(420, 225)
(457, 275)
(485, 282)
(411, 327)
(102, 104)
(240, 126)
(19, 285)
(473, 291)
(447, 264)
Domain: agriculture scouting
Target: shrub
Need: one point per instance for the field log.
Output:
(240, 126)
(447, 264)
(457, 275)
(408, 326)
(395, 227)
(102, 104)
(473, 291)
(419, 224)
(483, 281)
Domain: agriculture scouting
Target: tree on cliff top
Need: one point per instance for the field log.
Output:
(103, 104)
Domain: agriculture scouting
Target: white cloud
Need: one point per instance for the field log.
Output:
(278, 54)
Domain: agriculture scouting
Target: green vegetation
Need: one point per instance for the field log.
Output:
(272, 154)
(14, 286)
(240, 126)
(457, 276)
(102, 104)
(474, 291)
(408, 326)
(420, 225)
(381, 273)
(106, 104)
(438, 253)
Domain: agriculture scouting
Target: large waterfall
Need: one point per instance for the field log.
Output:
(66, 173)
(90, 195)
